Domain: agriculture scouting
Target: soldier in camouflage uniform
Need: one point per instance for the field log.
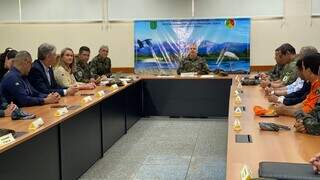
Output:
(308, 122)
(285, 56)
(289, 73)
(193, 63)
(275, 73)
(82, 73)
(101, 64)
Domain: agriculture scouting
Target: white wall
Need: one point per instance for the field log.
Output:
(297, 28)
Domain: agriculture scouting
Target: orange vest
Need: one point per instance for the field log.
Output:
(312, 98)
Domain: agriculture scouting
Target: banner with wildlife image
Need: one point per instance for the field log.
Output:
(160, 45)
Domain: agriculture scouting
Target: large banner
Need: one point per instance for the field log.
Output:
(161, 45)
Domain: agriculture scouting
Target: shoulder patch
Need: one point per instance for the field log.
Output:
(17, 83)
(285, 78)
(80, 73)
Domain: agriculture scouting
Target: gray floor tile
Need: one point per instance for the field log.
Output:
(162, 172)
(210, 167)
(167, 160)
(206, 173)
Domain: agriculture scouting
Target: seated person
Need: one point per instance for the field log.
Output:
(315, 161)
(276, 71)
(310, 69)
(193, 63)
(6, 60)
(298, 84)
(5, 108)
(294, 97)
(82, 73)
(2, 61)
(285, 56)
(100, 65)
(308, 122)
(9, 59)
(16, 88)
(41, 75)
(63, 71)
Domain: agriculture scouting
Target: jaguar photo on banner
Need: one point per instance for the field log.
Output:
(160, 45)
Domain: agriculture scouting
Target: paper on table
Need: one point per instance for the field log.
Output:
(189, 74)
(207, 76)
(124, 79)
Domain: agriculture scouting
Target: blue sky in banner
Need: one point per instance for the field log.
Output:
(187, 30)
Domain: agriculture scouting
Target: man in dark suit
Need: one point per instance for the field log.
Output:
(41, 74)
(16, 88)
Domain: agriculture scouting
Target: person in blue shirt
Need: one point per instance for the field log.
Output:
(16, 88)
(294, 97)
(41, 75)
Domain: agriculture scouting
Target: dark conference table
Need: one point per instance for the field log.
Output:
(65, 147)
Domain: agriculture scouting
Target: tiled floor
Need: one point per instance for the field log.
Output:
(166, 148)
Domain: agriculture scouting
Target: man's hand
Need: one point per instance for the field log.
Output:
(51, 99)
(264, 76)
(72, 90)
(265, 83)
(280, 108)
(268, 90)
(315, 161)
(103, 78)
(57, 95)
(10, 108)
(272, 98)
(300, 127)
(88, 86)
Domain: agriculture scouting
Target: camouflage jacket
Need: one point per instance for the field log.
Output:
(289, 73)
(198, 65)
(99, 66)
(82, 73)
(275, 72)
(311, 121)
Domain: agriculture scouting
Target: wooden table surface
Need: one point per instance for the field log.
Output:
(282, 146)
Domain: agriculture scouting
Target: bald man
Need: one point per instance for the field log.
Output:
(193, 63)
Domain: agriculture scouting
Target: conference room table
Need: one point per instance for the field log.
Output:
(65, 147)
